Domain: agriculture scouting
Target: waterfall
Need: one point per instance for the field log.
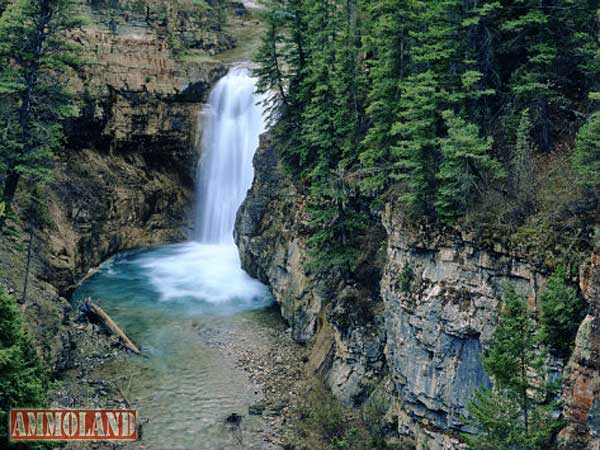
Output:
(233, 123)
(207, 270)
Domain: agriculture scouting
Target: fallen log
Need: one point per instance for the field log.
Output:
(98, 313)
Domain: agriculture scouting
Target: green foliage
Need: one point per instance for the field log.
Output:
(514, 348)
(407, 278)
(35, 55)
(23, 382)
(387, 23)
(415, 151)
(466, 165)
(518, 411)
(337, 224)
(326, 414)
(522, 165)
(361, 87)
(586, 160)
(561, 313)
(499, 418)
(335, 426)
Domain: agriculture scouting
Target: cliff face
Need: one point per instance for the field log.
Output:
(125, 178)
(442, 294)
(269, 235)
(339, 316)
(412, 339)
(581, 387)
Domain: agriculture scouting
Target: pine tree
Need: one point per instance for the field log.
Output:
(318, 135)
(272, 68)
(415, 153)
(387, 43)
(435, 83)
(466, 164)
(347, 83)
(545, 53)
(522, 165)
(281, 70)
(516, 364)
(561, 313)
(23, 383)
(586, 159)
(336, 223)
(35, 53)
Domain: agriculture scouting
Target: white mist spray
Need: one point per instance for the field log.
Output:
(208, 268)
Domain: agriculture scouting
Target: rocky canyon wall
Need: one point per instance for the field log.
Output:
(412, 339)
(125, 175)
(125, 178)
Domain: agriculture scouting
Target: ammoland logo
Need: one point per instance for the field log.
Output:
(72, 425)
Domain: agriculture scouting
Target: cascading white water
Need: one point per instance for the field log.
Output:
(234, 122)
(174, 299)
(208, 268)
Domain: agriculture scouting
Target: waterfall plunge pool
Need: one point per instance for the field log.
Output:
(183, 304)
(186, 304)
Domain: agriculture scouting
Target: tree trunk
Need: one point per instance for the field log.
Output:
(10, 187)
(525, 399)
(110, 325)
(28, 264)
(42, 20)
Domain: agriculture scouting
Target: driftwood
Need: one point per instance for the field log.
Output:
(99, 314)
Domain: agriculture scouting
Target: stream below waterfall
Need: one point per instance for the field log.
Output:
(180, 302)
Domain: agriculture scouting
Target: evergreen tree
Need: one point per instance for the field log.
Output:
(466, 163)
(544, 46)
(529, 22)
(336, 223)
(23, 382)
(319, 150)
(281, 71)
(440, 79)
(387, 43)
(35, 54)
(561, 313)
(586, 159)
(416, 150)
(516, 364)
(522, 165)
(272, 63)
(347, 83)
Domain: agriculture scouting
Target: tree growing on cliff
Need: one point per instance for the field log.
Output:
(387, 41)
(466, 165)
(561, 313)
(517, 412)
(281, 62)
(522, 165)
(23, 382)
(35, 55)
(586, 159)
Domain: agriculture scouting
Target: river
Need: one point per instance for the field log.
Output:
(185, 304)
